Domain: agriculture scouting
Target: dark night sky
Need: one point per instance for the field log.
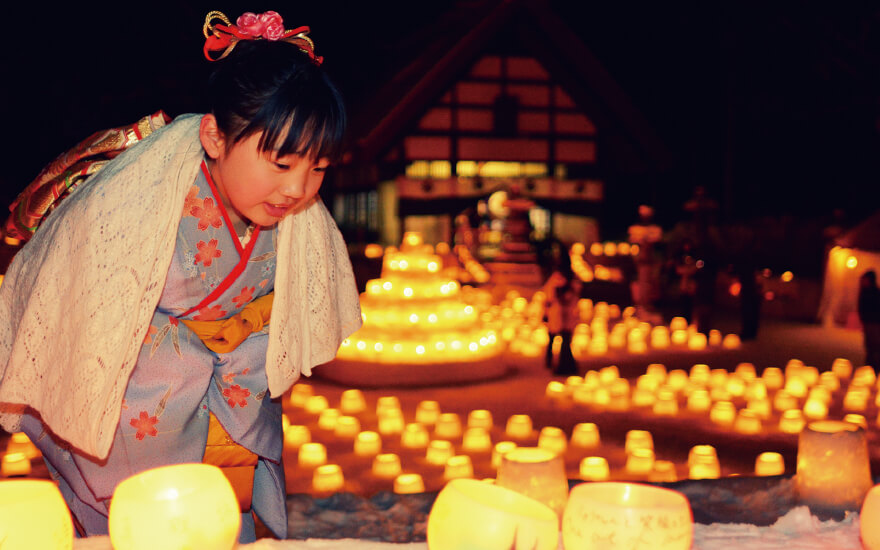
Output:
(773, 108)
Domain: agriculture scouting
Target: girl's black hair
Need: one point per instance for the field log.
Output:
(274, 88)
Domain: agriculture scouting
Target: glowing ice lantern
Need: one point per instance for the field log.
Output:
(415, 436)
(640, 461)
(666, 404)
(328, 478)
(869, 526)
(792, 421)
(594, 468)
(856, 419)
(833, 468)
(33, 514)
(312, 455)
(470, 514)
(519, 426)
(480, 418)
(723, 413)
(537, 473)
(299, 394)
(769, 464)
(315, 404)
(553, 439)
(448, 426)
(327, 419)
(19, 442)
(427, 412)
(386, 465)
(347, 427)
(476, 440)
(458, 466)
(408, 484)
(585, 435)
(842, 368)
(602, 515)
(175, 507)
(367, 443)
(390, 422)
(352, 402)
(663, 472)
(295, 435)
(747, 422)
(638, 439)
(699, 401)
(15, 464)
(773, 378)
(439, 452)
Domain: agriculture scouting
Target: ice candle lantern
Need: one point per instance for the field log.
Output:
(609, 515)
(833, 468)
(473, 515)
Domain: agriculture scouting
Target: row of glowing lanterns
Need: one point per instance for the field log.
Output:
(796, 394)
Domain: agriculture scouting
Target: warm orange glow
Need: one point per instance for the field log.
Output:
(327, 419)
(407, 484)
(519, 426)
(347, 427)
(367, 443)
(792, 421)
(640, 461)
(439, 452)
(723, 413)
(476, 440)
(787, 277)
(299, 394)
(328, 478)
(638, 439)
(373, 251)
(386, 465)
(553, 439)
(427, 412)
(315, 404)
(312, 455)
(415, 436)
(852, 262)
(769, 464)
(448, 426)
(594, 468)
(585, 435)
(352, 402)
(295, 435)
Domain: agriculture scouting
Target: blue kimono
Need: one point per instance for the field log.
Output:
(178, 381)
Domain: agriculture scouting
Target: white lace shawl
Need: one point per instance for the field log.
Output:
(78, 299)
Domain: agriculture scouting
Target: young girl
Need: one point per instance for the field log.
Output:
(131, 324)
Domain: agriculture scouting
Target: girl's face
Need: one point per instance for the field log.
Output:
(259, 186)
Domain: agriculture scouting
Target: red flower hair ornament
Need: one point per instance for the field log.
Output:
(222, 36)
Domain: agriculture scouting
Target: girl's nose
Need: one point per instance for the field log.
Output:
(294, 187)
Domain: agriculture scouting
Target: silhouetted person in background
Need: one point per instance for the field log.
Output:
(749, 300)
(562, 290)
(869, 314)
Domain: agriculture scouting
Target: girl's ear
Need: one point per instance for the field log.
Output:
(212, 138)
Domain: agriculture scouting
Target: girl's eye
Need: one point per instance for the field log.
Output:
(319, 169)
(282, 166)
